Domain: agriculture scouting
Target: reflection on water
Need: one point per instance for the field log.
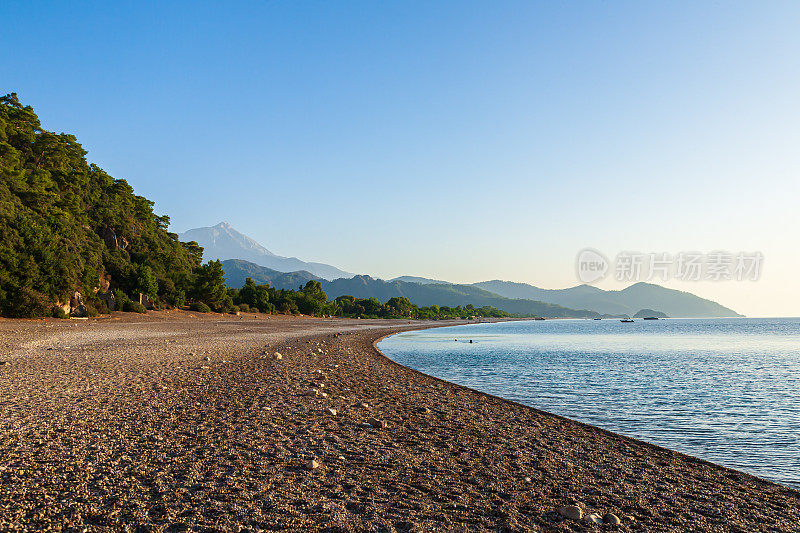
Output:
(724, 390)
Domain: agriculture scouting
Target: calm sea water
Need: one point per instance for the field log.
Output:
(725, 390)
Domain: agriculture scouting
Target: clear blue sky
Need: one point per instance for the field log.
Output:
(457, 140)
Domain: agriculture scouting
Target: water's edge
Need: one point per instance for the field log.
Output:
(655, 447)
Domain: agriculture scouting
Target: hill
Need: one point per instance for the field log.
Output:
(626, 301)
(649, 313)
(417, 279)
(238, 270)
(70, 233)
(224, 242)
(441, 294)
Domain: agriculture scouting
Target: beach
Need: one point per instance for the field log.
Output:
(177, 421)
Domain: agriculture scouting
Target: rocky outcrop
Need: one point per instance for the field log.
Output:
(109, 299)
(112, 240)
(77, 307)
(65, 306)
(145, 301)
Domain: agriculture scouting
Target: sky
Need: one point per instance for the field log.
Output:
(457, 140)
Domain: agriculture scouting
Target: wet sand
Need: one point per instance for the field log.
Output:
(181, 422)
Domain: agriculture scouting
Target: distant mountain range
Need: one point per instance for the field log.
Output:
(441, 294)
(243, 257)
(626, 301)
(224, 242)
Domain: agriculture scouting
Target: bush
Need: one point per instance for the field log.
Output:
(28, 303)
(253, 310)
(58, 312)
(133, 307)
(244, 308)
(121, 299)
(200, 307)
(136, 307)
(234, 309)
(101, 308)
(179, 300)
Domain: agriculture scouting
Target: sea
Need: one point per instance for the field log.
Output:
(723, 390)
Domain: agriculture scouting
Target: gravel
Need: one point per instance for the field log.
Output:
(117, 423)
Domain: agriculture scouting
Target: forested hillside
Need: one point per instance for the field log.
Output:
(428, 294)
(66, 226)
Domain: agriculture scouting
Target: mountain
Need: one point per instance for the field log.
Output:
(238, 270)
(417, 279)
(223, 242)
(441, 294)
(626, 301)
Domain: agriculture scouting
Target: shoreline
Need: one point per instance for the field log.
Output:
(174, 422)
(610, 433)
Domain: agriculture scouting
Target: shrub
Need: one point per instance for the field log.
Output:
(179, 300)
(28, 303)
(58, 312)
(200, 307)
(133, 307)
(101, 308)
(121, 299)
(244, 308)
(136, 307)
(234, 309)
(253, 310)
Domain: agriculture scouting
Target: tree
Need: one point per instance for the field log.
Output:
(210, 286)
(147, 283)
(65, 224)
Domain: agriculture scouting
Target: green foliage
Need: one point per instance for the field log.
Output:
(133, 307)
(64, 223)
(58, 312)
(146, 282)
(200, 307)
(120, 298)
(311, 299)
(210, 285)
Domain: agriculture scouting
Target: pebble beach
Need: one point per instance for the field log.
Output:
(175, 421)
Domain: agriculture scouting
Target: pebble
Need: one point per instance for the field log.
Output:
(331, 411)
(278, 356)
(377, 424)
(312, 464)
(527, 480)
(206, 358)
(611, 519)
(365, 405)
(594, 519)
(572, 512)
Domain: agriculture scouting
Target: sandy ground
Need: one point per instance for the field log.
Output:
(181, 422)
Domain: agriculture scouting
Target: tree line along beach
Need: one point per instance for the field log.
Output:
(174, 421)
